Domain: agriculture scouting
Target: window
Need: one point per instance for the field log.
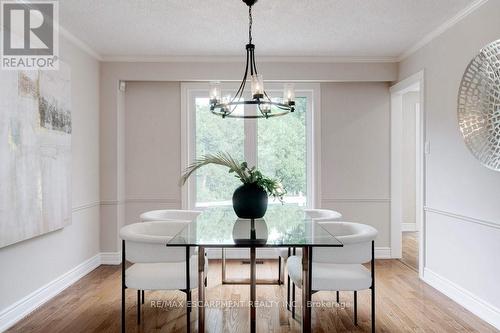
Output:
(282, 151)
(212, 134)
(281, 147)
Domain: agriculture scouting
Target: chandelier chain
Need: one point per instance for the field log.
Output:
(260, 99)
(250, 21)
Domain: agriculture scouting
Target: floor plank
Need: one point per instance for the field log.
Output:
(404, 304)
(410, 249)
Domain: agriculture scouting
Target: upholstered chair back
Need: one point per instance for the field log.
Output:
(169, 214)
(146, 242)
(322, 214)
(357, 240)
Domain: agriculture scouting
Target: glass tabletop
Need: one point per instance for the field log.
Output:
(282, 226)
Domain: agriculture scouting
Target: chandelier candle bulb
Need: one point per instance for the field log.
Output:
(266, 108)
(215, 92)
(289, 94)
(257, 86)
(225, 103)
(226, 99)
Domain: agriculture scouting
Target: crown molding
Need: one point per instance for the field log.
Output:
(441, 29)
(225, 59)
(79, 43)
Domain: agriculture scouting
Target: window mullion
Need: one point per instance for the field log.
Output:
(250, 140)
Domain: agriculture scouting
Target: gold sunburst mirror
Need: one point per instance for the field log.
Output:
(479, 106)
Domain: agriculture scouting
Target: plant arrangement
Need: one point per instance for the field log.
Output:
(246, 175)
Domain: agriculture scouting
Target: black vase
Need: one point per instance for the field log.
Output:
(250, 201)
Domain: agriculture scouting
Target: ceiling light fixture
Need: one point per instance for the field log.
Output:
(264, 106)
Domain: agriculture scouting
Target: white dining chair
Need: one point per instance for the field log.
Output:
(169, 214)
(154, 265)
(341, 268)
(317, 215)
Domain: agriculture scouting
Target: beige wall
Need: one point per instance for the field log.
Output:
(232, 71)
(462, 227)
(355, 151)
(153, 147)
(29, 265)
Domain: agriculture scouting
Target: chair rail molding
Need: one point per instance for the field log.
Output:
(355, 198)
(463, 218)
(85, 206)
(112, 202)
(142, 199)
(153, 198)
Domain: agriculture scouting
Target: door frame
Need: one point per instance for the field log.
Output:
(397, 92)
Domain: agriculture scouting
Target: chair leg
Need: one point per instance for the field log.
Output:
(188, 290)
(373, 310)
(373, 286)
(188, 310)
(293, 300)
(279, 271)
(190, 298)
(123, 308)
(288, 292)
(338, 296)
(142, 297)
(123, 286)
(288, 284)
(355, 308)
(138, 307)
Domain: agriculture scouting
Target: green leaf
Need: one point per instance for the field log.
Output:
(272, 186)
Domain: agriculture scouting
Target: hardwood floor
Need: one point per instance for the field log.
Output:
(410, 249)
(404, 304)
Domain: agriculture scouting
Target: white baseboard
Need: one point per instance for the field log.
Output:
(479, 307)
(31, 302)
(111, 258)
(407, 227)
(383, 253)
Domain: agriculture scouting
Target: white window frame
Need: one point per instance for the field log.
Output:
(313, 131)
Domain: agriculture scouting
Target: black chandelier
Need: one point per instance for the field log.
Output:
(264, 106)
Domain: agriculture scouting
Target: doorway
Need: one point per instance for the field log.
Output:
(407, 172)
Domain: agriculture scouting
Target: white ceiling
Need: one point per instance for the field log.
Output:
(331, 28)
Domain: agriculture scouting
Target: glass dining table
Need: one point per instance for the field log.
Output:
(283, 226)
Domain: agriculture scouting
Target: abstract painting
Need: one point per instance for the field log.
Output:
(35, 153)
